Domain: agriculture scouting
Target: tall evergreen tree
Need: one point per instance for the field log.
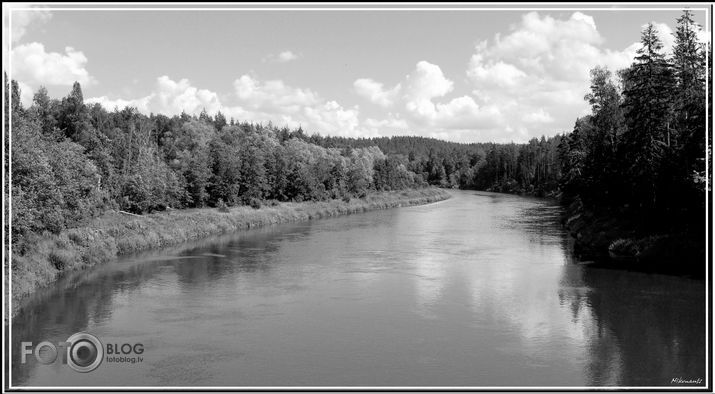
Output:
(648, 110)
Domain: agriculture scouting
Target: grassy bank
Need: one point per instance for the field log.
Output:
(48, 256)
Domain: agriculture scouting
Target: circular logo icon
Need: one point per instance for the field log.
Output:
(85, 352)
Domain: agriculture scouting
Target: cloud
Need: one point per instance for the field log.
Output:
(427, 81)
(173, 97)
(253, 100)
(375, 92)
(284, 105)
(538, 73)
(665, 34)
(169, 97)
(283, 57)
(34, 67)
(287, 56)
(142, 104)
(22, 19)
(425, 111)
(272, 94)
(390, 126)
(522, 83)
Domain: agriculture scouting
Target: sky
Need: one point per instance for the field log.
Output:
(465, 75)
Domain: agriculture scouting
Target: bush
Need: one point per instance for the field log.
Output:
(255, 203)
(61, 259)
(222, 207)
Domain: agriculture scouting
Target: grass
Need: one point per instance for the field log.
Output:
(48, 256)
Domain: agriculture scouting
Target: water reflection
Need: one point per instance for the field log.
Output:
(478, 290)
(642, 329)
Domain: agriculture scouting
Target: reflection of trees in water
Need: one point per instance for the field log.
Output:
(85, 298)
(642, 329)
(58, 313)
(539, 220)
(250, 253)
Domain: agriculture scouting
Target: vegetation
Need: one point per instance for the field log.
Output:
(634, 169)
(104, 237)
(73, 162)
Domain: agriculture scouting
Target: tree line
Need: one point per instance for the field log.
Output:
(72, 161)
(640, 152)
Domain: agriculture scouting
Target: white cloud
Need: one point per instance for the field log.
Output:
(499, 74)
(427, 81)
(283, 57)
(169, 97)
(427, 114)
(375, 92)
(287, 56)
(525, 83)
(273, 94)
(142, 104)
(34, 67)
(390, 126)
(539, 116)
(538, 73)
(665, 34)
(22, 19)
(284, 105)
(173, 97)
(667, 37)
(253, 100)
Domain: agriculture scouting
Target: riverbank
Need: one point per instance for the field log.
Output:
(609, 240)
(46, 257)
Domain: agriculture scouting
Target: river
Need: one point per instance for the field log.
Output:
(478, 290)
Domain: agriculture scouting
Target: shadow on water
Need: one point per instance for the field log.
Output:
(642, 329)
(84, 298)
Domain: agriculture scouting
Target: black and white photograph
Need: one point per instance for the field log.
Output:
(357, 196)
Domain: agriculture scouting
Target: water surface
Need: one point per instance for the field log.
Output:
(478, 290)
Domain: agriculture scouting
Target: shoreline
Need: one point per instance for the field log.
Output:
(611, 242)
(113, 234)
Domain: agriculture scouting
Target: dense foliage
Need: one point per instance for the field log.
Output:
(71, 161)
(640, 152)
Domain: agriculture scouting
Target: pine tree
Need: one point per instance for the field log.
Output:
(689, 72)
(648, 88)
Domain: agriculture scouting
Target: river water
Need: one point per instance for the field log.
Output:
(478, 290)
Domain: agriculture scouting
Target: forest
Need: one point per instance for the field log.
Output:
(639, 155)
(71, 161)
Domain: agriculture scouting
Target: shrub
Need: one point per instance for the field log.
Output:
(255, 203)
(61, 259)
(222, 207)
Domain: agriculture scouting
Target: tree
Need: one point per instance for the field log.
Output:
(687, 164)
(602, 140)
(43, 111)
(648, 110)
(219, 121)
